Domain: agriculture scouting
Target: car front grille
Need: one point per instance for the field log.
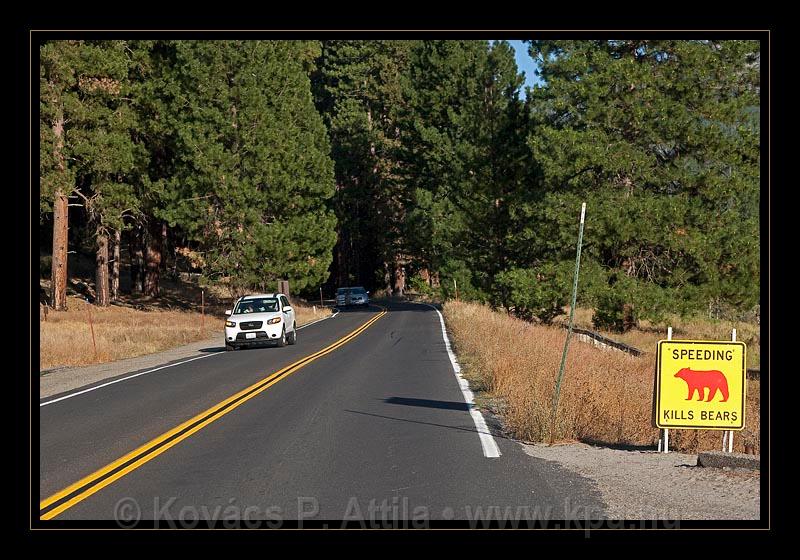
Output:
(250, 325)
(259, 335)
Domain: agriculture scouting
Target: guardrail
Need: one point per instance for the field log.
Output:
(599, 340)
(605, 341)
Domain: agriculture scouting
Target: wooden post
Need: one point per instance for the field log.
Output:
(202, 311)
(321, 304)
(283, 288)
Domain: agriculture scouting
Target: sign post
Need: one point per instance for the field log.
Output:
(700, 384)
(727, 436)
(664, 441)
(569, 330)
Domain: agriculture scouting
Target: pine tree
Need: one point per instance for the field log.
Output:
(253, 162)
(661, 139)
(86, 147)
(467, 156)
(102, 148)
(57, 84)
(359, 92)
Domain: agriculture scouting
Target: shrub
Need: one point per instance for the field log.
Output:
(529, 292)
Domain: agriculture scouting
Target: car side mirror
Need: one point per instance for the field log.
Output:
(367, 291)
(228, 311)
(287, 309)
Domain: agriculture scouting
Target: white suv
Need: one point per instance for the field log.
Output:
(260, 319)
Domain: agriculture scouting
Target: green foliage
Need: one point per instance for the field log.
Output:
(659, 138)
(358, 91)
(465, 151)
(421, 286)
(541, 292)
(254, 171)
(295, 159)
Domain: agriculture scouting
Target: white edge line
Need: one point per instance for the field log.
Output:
(125, 379)
(158, 368)
(488, 443)
(318, 320)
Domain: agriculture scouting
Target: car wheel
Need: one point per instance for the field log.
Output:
(230, 347)
(282, 339)
(293, 337)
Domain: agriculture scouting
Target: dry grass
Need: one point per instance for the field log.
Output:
(606, 396)
(125, 332)
(647, 335)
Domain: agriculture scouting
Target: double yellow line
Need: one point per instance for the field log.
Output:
(79, 491)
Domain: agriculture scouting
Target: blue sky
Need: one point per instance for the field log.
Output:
(525, 64)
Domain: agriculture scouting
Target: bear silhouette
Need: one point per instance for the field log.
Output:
(699, 381)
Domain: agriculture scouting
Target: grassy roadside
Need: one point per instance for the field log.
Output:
(647, 335)
(125, 332)
(606, 396)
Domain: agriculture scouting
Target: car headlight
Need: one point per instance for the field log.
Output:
(230, 324)
(274, 320)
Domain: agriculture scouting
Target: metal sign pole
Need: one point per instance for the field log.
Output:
(569, 330)
(730, 432)
(665, 431)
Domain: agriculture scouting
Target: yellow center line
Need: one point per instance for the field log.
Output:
(156, 446)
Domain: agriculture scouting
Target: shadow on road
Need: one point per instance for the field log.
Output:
(460, 428)
(428, 403)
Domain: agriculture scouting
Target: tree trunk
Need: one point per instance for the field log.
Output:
(137, 260)
(58, 297)
(399, 278)
(101, 281)
(155, 243)
(387, 278)
(115, 266)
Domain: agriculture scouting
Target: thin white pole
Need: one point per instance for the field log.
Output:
(730, 432)
(666, 430)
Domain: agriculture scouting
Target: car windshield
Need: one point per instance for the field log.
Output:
(256, 305)
(358, 292)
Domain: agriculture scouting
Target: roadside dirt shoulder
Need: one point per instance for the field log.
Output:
(649, 485)
(60, 380)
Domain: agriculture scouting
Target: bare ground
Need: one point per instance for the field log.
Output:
(650, 485)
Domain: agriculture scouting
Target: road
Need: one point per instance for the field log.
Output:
(376, 426)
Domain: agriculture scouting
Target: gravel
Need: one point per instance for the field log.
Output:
(649, 485)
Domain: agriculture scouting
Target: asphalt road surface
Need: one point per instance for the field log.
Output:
(368, 422)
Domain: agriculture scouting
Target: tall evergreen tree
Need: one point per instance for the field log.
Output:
(661, 139)
(87, 148)
(358, 90)
(466, 153)
(57, 89)
(253, 162)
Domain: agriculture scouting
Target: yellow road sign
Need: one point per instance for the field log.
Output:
(700, 384)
